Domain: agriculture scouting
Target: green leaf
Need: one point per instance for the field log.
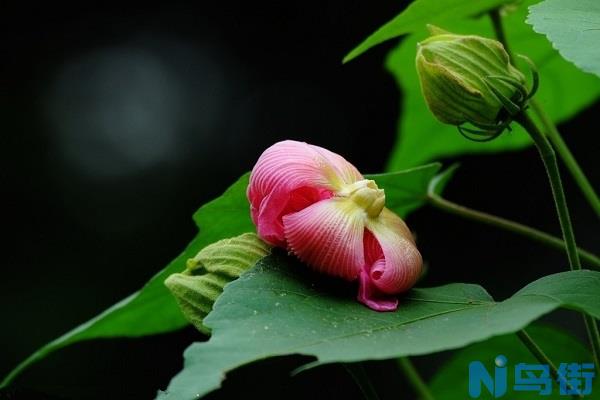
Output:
(153, 309)
(564, 91)
(573, 27)
(422, 12)
(452, 380)
(279, 307)
(406, 190)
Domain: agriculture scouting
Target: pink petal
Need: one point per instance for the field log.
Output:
(371, 297)
(328, 235)
(402, 261)
(289, 176)
(268, 218)
(368, 293)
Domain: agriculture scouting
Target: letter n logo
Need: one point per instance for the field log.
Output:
(479, 375)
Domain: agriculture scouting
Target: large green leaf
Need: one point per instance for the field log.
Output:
(279, 307)
(564, 90)
(451, 381)
(153, 310)
(573, 27)
(422, 12)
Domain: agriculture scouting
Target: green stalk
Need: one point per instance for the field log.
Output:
(523, 230)
(539, 354)
(549, 159)
(550, 129)
(358, 373)
(565, 154)
(414, 378)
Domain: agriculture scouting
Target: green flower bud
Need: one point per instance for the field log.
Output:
(197, 288)
(469, 79)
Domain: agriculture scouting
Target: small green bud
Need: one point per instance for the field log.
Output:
(195, 295)
(469, 79)
(197, 288)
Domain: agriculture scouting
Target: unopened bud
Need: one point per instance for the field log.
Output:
(469, 79)
(197, 288)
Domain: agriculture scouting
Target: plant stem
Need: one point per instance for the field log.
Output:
(591, 327)
(508, 225)
(565, 154)
(550, 128)
(358, 373)
(540, 355)
(549, 158)
(499, 29)
(414, 378)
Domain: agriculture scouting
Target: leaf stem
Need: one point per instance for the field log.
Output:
(565, 154)
(499, 29)
(414, 378)
(549, 159)
(550, 128)
(358, 373)
(542, 237)
(591, 327)
(539, 354)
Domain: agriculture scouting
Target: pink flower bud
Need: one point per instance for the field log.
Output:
(317, 205)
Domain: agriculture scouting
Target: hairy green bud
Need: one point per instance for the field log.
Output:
(197, 288)
(469, 79)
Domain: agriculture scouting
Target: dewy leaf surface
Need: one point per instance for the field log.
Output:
(279, 307)
(564, 91)
(422, 12)
(573, 27)
(451, 381)
(153, 309)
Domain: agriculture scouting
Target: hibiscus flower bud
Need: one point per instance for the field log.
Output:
(317, 205)
(469, 79)
(197, 288)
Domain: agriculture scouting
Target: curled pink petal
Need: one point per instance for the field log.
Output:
(368, 293)
(403, 261)
(286, 173)
(370, 296)
(328, 235)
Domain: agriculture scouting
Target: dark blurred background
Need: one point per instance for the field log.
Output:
(119, 121)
